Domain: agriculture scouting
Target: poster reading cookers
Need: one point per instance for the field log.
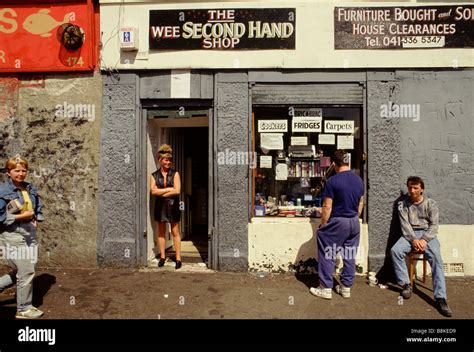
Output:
(404, 27)
(225, 29)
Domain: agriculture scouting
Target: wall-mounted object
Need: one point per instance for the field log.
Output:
(71, 36)
(48, 36)
(128, 38)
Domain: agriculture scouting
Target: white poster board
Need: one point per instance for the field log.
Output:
(345, 142)
(327, 139)
(265, 161)
(299, 140)
(181, 84)
(281, 172)
(271, 141)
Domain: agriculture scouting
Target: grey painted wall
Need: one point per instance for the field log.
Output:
(232, 199)
(440, 146)
(384, 164)
(427, 145)
(53, 120)
(117, 239)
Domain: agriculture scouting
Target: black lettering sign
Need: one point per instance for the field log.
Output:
(312, 125)
(404, 27)
(225, 29)
(308, 112)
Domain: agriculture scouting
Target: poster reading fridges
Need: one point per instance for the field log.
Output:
(230, 29)
(420, 27)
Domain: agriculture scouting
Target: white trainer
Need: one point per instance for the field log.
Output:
(343, 291)
(322, 292)
(31, 313)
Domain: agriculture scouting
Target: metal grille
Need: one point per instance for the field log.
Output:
(317, 93)
(454, 269)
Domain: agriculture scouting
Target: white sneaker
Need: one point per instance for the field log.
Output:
(343, 291)
(31, 313)
(322, 292)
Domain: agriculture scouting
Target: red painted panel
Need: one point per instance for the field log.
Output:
(31, 37)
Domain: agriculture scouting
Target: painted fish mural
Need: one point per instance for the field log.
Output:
(42, 23)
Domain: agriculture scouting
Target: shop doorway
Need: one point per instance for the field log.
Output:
(189, 137)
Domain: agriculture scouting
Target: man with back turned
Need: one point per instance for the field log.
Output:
(343, 201)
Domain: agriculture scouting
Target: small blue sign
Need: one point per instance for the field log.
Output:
(126, 37)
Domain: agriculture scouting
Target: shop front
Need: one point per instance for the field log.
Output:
(254, 105)
(298, 123)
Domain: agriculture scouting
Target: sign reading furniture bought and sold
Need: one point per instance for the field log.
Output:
(404, 27)
(230, 29)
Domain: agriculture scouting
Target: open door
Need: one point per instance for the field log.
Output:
(189, 137)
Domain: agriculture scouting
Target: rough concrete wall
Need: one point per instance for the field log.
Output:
(437, 145)
(233, 192)
(117, 246)
(440, 146)
(9, 120)
(53, 120)
(384, 164)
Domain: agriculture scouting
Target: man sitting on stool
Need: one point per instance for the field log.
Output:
(419, 223)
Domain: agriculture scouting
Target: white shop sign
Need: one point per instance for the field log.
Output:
(273, 126)
(306, 124)
(338, 126)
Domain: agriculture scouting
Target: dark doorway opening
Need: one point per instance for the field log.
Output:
(194, 245)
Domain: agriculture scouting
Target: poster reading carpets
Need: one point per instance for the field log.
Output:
(222, 29)
(404, 27)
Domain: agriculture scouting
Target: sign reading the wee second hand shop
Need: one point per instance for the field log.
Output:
(418, 27)
(230, 29)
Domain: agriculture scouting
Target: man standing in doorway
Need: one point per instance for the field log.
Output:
(343, 201)
(419, 224)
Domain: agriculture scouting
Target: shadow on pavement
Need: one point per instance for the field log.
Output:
(310, 280)
(386, 274)
(423, 295)
(41, 286)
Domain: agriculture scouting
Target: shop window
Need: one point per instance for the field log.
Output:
(293, 146)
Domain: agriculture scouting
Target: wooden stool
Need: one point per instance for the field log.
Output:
(413, 257)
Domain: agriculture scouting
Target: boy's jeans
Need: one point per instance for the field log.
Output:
(20, 249)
